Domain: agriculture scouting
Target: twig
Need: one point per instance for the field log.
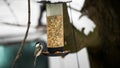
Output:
(74, 8)
(19, 53)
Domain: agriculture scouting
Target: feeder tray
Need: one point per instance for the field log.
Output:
(57, 53)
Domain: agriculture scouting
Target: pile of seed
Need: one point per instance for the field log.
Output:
(55, 31)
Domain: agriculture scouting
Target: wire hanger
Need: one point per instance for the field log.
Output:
(74, 37)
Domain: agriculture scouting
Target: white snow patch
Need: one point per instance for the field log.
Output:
(84, 21)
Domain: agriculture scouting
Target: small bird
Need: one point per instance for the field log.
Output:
(38, 51)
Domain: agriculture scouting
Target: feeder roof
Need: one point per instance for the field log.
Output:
(54, 1)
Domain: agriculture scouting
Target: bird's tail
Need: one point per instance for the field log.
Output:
(35, 60)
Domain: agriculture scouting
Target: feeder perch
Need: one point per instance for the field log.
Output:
(55, 27)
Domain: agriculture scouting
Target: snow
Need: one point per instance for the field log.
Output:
(84, 21)
(77, 4)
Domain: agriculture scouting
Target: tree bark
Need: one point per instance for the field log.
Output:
(105, 14)
(103, 44)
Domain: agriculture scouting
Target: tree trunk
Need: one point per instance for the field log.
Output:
(103, 44)
(105, 14)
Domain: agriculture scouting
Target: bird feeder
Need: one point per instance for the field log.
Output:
(55, 27)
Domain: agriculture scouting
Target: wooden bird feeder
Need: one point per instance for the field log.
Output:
(55, 27)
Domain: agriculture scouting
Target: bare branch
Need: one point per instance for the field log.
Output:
(74, 8)
(19, 53)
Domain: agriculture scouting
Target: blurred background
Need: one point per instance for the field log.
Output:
(13, 23)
